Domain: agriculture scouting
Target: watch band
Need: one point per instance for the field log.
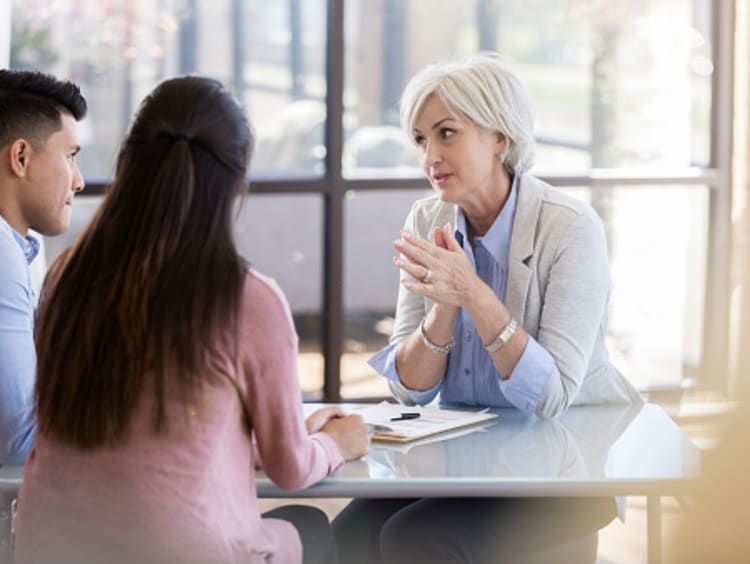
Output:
(503, 337)
(432, 346)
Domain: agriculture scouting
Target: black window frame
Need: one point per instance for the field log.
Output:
(713, 371)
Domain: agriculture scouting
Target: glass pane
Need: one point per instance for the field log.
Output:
(658, 280)
(84, 208)
(290, 251)
(372, 222)
(614, 84)
(271, 53)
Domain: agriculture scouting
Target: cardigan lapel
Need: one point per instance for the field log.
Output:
(522, 245)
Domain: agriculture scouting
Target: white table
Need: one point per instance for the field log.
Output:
(590, 451)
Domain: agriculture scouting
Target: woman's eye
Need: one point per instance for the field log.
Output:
(419, 140)
(447, 133)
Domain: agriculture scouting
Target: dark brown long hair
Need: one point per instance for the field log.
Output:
(156, 274)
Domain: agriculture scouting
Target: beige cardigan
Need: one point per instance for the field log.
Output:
(558, 288)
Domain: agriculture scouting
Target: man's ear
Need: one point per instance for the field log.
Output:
(19, 154)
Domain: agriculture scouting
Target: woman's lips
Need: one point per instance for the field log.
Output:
(442, 178)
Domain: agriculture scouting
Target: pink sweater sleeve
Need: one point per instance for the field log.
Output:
(268, 344)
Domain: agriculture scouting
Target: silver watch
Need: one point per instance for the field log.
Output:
(503, 337)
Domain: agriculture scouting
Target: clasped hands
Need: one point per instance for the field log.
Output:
(440, 270)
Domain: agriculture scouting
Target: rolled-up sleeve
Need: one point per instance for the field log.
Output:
(529, 378)
(384, 363)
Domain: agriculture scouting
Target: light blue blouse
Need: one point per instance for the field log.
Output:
(471, 377)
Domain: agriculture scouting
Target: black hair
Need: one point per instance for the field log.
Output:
(32, 104)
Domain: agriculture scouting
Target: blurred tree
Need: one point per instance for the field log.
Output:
(31, 47)
(605, 32)
(296, 58)
(394, 72)
(188, 37)
(607, 22)
(239, 55)
(488, 14)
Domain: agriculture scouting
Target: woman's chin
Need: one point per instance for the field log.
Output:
(444, 195)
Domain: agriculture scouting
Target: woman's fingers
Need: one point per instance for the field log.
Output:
(421, 259)
(450, 240)
(351, 435)
(439, 271)
(419, 251)
(439, 237)
(416, 271)
(318, 419)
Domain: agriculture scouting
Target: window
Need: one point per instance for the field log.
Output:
(271, 54)
(615, 85)
(371, 280)
(621, 89)
(631, 101)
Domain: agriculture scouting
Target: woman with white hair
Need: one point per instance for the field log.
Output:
(503, 302)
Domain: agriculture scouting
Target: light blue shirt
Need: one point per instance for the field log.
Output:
(471, 377)
(17, 353)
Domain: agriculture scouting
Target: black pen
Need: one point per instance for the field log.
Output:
(406, 416)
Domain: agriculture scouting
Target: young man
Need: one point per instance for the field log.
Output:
(38, 179)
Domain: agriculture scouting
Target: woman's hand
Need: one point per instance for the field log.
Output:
(439, 271)
(317, 419)
(351, 435)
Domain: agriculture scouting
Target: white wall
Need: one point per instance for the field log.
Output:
(5, 6)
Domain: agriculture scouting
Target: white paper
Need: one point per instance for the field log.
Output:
(431, 420)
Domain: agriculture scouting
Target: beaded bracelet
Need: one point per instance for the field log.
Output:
(432, 346)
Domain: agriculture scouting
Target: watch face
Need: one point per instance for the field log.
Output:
(503, 337)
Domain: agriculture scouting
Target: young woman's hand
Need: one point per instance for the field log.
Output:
(351, 435)
(317, 419)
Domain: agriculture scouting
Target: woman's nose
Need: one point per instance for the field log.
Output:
(432, 154)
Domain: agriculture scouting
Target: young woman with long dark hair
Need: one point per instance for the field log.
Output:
(167, 367)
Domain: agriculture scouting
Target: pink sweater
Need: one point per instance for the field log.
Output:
(187, 495)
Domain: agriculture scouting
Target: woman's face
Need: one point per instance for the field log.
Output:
(461, 159)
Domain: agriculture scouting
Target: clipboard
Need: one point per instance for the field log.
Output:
(431, 421)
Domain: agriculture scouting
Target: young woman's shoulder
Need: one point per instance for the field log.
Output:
(263, 300)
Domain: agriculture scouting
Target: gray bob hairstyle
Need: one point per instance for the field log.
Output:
(484, 89)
